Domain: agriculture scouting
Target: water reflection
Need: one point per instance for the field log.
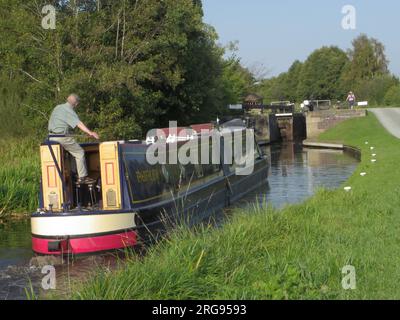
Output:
(297, 172)
(15, 255)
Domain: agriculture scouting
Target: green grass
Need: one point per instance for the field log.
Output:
(19, 153)
(19, 176)
(295, 253)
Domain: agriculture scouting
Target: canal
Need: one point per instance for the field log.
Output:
(295, 174)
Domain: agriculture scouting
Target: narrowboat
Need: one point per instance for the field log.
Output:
(132, 198)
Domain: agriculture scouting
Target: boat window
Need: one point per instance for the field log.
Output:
(210, 168)
(146, 183)
(149, 183)
(189, 174)
(171, 175)
(199, 171)
(239, 156)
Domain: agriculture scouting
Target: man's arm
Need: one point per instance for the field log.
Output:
(85, 129)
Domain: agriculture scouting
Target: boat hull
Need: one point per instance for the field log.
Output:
(87, 245)
(86, 233)
(82, 233)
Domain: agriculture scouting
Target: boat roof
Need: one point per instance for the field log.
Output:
(178, 134)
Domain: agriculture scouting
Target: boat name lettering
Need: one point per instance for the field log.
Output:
(151, 175)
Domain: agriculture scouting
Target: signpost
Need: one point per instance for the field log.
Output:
(236, 107)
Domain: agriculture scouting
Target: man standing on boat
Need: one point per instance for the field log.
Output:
(62, 121)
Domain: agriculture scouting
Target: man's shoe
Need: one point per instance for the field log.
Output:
(86, 181)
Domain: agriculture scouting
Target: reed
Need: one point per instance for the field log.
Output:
(19, 153)
(19, 176)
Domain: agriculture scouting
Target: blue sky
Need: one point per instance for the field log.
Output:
(275, 33)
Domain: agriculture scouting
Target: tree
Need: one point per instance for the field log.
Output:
(329, 73)
(374, 90)
(392, 97)
(367, 60)
(283, 87)
(321, 74)
(237, 81)
(135, 63)
(292, 80)
(13, 120)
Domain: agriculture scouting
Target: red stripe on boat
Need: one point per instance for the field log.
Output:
(86, 245)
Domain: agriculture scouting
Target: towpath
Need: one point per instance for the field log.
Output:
(390, 119)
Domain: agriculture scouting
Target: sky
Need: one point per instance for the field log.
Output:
(275, 33)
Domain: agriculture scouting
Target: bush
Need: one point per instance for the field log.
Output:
(392, 97)
(11, 112)
(374, 90)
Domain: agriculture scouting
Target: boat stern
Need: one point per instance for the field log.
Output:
(82, 233)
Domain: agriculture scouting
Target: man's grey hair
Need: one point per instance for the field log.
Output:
(73, 95)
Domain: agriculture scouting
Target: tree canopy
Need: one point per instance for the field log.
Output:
(139, 63)
(330, 73)
(321, 73)
(135, 63)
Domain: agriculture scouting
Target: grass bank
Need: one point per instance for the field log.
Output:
(294, 253)
(19, 153)
(19, 176)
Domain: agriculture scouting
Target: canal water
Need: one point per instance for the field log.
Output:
(295, 174)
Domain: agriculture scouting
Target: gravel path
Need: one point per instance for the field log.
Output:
(390, 119)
